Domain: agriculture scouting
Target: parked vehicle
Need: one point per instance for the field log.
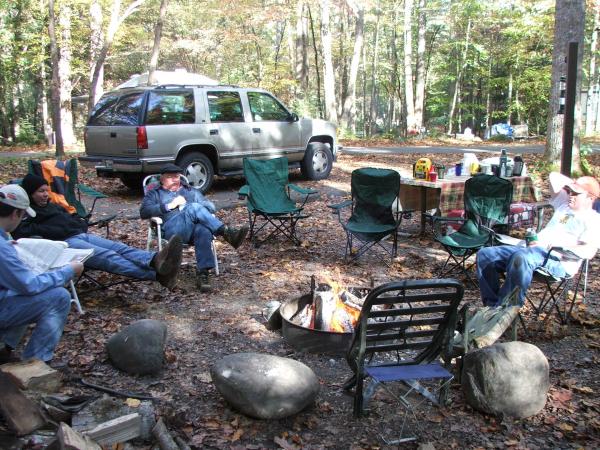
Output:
(207, 130)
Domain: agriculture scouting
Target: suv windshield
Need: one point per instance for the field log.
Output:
(170, 108)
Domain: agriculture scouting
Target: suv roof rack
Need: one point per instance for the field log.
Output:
(175, 85)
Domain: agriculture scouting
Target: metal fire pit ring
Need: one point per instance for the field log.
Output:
(309, 340)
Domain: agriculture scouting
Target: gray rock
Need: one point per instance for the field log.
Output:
(510, 379)
(139, 348)
(265, 386)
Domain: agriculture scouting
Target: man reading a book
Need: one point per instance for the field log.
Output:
(187, 213)
(53, 222)
(574, 226)
(27, 298)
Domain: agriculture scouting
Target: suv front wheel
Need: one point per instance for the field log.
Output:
(317, 162)
(198, 169)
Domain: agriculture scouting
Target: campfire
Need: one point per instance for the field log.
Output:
(333, 308)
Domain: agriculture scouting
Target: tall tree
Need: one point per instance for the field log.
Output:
(96, 42)
(329, 77)
(348, 119)
(56, 110)
(569, 20)
(157, 36)
(409, 96)
(64, 69)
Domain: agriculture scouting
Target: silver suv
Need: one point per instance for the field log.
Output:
(206, 130)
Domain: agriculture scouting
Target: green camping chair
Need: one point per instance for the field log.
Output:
(373, 217)
(487, 203)
(65, 189)
(269, 199)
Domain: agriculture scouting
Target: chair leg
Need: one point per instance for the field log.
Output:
(214, 252)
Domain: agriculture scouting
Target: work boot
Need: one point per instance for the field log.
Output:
(165, 261)
(170, 264)
(203, 282)
(235, 236)
(8, 356)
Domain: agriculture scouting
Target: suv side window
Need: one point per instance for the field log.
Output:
(225, 106)
(127, 111)
(265, 107)
(168, 107)
(102, 112)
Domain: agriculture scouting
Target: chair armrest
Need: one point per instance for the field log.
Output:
(91, 192)
(301, 190)
(156, 220)
(339, 206)
(244, 192)
(101, 222)
(564, 253)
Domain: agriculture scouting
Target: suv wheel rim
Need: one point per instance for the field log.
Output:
(320, 161)
(196, 174)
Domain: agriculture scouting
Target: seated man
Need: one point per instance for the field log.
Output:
(185, 212)
(574, 226)
(52, 221)
(27, 298)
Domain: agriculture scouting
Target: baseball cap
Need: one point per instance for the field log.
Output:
(171, 168)
(585, 184)
(15, 196)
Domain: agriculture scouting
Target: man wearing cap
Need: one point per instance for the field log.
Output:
(27, 298)
(574, 226)
(187, 213)
(52, 221)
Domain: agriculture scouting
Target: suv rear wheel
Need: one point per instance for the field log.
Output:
(317, 162)
(198, 169)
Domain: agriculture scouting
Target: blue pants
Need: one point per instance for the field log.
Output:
(518, 263)
(48, 310)
(197, 225)
(115, 257)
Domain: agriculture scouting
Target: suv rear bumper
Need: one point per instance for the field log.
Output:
(111, 167)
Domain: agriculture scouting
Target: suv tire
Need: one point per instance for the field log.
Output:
(317, 162)
(198, 169)
(132, 180)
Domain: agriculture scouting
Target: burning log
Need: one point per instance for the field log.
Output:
(335, 308)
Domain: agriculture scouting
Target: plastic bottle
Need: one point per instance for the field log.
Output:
(503, 161)
(518, 167)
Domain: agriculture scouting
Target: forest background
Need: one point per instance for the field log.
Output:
(375, 67)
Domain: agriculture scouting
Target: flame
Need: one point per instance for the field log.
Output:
(344, 317)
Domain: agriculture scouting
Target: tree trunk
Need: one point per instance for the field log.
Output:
(374, 70)
(301, 53)
(96, 42)
(156, 47)
(329, 82)
(349, 111)
(568, 27)
(421, 73)
(592, 102)
(317, 71)
(64, 68)
(58, 140)
(509, 99)
(409, 97)
(461, 65)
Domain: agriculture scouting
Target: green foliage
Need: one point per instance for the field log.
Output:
(27, 134)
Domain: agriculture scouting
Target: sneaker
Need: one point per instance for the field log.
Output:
(203, 282)
(235, 236)
(166, 260)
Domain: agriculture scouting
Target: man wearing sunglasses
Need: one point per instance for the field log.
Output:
(574, 226)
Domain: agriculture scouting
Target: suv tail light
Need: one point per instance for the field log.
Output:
(142, 138)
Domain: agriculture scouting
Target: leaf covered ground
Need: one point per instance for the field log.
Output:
(205, 327)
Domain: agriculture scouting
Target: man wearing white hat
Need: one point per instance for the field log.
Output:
(27, 298)
(573, 226)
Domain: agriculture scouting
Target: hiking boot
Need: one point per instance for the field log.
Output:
(235, 236)
(166, 260)
(203, 282)
(8, 356)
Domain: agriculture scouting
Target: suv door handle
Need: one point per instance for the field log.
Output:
(256, 130)
(113, 134)
(213, 132)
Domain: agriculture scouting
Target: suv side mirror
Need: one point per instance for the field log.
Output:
(293, 117)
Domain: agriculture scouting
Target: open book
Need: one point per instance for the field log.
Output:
(41, 255)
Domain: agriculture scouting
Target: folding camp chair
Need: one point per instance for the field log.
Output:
(556, 289)
(487, 203)
(155, 223)
(373, 215)
(269, 199)
(404, 327)
(65, 189)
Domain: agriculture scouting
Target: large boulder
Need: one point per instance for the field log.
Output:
(265, 386)
(506, 379)
(139, 348)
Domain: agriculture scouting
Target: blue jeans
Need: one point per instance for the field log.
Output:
(197, 225)
(48, 310)
(518, 263)
(115, 257)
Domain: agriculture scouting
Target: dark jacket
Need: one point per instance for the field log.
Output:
(51, 222)
(156, 200)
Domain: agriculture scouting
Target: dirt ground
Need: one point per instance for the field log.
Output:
(202, 328)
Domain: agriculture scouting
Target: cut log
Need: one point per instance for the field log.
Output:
(497, 327)
(70, 439)
(117, 430)
(33, 374)
(22, 415)
(162, 435)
